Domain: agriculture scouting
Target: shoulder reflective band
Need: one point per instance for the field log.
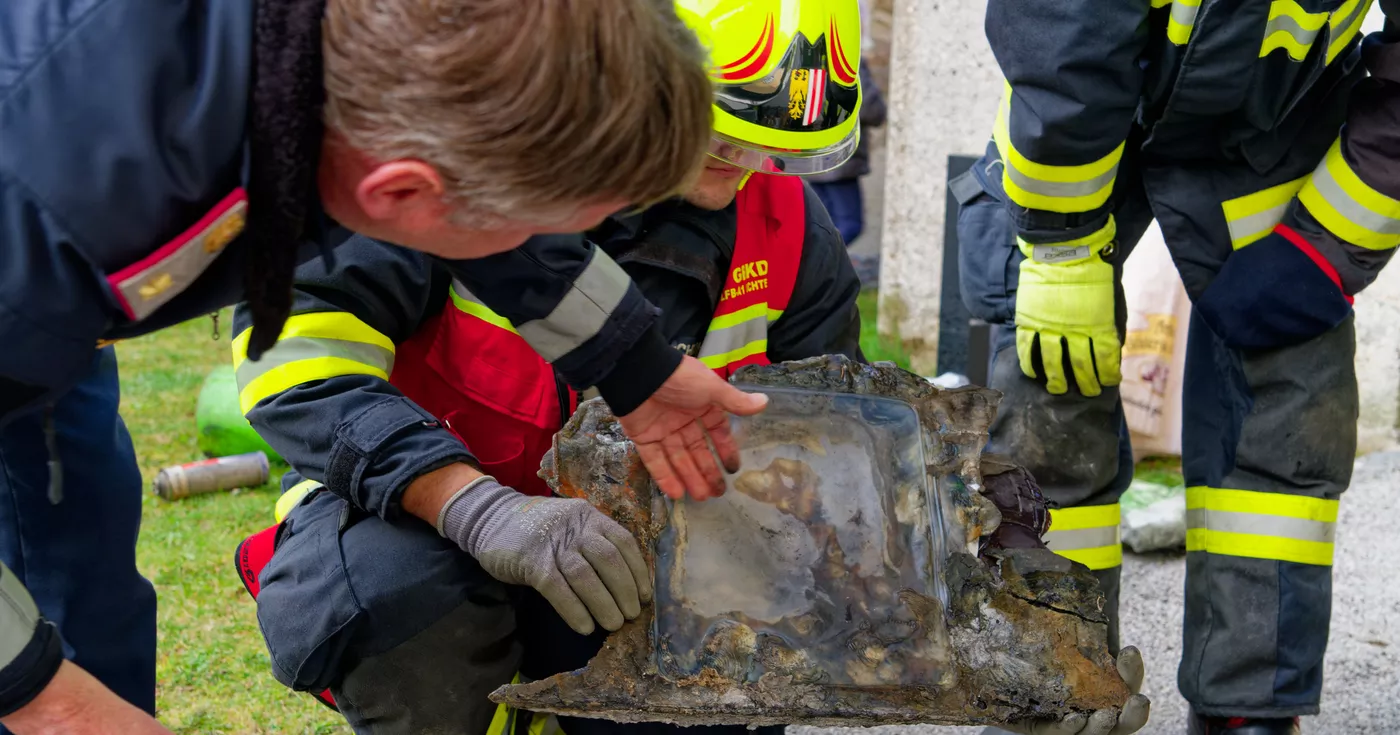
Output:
(1089, 535)
(737, 335)
(1065, 189)
(1182, 20)
(313, 346)
(467, 303)
(1252, 217)
(293, 497)
(505, 720)
(582, 312)
(1260, 525)
(1348, 207)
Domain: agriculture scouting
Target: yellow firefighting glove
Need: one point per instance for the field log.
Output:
(1065, 298)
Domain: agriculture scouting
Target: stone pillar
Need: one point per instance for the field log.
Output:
(943, 90)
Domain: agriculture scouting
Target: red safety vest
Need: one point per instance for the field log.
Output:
(470, 368)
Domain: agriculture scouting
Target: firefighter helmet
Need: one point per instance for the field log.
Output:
(787, 87)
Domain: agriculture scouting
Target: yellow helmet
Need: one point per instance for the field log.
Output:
(787, 87)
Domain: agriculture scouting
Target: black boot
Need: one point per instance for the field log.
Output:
(1198, 725)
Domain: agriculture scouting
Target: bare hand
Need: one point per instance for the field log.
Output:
(670, 428)
(74, 703)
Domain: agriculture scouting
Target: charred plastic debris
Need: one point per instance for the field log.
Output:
(867, 566)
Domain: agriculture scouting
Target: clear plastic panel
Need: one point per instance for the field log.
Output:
(803, 565)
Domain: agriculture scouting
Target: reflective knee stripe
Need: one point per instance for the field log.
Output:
(737, 335)
(1291, 28)
(468, 303)
(1348, 207)
(582, 312)
(1089, 535)
(293, 497)
(1065, 189)
(1260, 525)
(1182, 20)
(1252, 217)
(313, 346)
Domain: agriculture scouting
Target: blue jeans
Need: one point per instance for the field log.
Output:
(74, 544)
(842, 201)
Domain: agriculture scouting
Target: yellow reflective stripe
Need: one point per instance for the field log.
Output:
(747, 313)
(1254, 546)
(468, 304)
(1348, 18)
(1182, 20)
(1065, 189)
(292, 498)
(1252, 501)
(1252, 217)
(1260, 525)
(1291, 28)
(292, 374)
(1089, 516)
(774, 314)
(715, 362)
(1103, 557)
(1161, 3)
(542, 724)
(1089, 535)
(1348, 207)
(320, 325)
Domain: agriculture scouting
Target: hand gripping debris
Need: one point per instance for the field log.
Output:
(858, 570)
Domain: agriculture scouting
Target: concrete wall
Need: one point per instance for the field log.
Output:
(942, 93)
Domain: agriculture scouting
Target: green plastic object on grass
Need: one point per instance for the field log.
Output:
(223, 431)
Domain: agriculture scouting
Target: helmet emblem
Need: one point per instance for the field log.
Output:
(806, 90)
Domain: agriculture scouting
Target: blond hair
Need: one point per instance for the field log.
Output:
(528, 109)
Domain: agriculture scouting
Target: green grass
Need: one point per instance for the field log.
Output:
(1161, 470)
(212, 673)
(876, 347)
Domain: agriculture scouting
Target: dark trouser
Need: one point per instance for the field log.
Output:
(843, 202)
(73, 545)
(410, 634)
(1268, 441)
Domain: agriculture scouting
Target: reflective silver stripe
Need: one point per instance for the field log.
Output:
(1060, 188)
(1185, 14)
(293, 349)
(1261, 524)
(1338, 26)
(1254, 224)
(582, 312)
(1290, 26)
(18, 616)
(1084, 538)
(1348, 207)
(723, 341)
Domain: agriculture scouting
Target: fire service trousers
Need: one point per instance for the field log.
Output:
(1269, 437)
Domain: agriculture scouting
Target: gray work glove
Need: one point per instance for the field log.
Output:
(583, 562)
(1105, 721)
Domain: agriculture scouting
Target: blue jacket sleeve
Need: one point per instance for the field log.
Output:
(1073, 82)
(322, 398)
(580, 311)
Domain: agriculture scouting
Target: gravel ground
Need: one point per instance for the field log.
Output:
(1362, 691)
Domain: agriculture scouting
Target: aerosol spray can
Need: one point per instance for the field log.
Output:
(212, 475)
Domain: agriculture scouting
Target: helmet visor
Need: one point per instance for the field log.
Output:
(781, 161)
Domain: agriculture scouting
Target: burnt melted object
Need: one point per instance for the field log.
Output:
(892, 599)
